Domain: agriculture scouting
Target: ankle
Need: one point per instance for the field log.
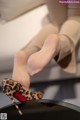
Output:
(20, 58)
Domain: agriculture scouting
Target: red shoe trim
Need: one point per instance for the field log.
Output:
(19, 97)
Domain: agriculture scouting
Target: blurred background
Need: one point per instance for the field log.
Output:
(20, 20)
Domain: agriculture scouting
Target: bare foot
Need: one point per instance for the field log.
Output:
(39, 60)
(19, 71)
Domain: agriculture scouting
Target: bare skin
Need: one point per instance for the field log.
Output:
(24, 67)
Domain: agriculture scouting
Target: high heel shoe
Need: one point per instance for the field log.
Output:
(14, 89)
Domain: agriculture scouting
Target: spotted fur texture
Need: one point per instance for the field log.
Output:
(10, 87)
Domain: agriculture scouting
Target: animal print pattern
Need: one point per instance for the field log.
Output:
(10, 87)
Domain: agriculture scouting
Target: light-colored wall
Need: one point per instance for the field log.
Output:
(17, 33)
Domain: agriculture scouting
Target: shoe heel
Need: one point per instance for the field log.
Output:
(17, 107)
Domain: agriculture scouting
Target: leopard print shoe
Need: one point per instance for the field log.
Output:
(14, 89)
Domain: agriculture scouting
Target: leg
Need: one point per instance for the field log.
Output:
(20, 72)
(40, 59)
